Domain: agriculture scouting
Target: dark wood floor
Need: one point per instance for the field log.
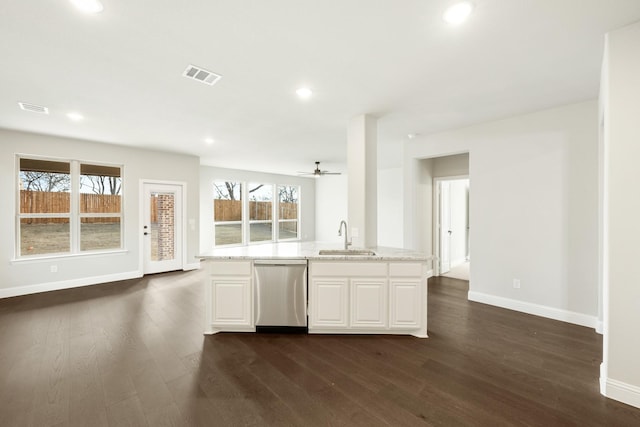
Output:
(133, 353)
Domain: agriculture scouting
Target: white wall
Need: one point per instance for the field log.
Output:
(533, 208)
(331, 206)
(20, 277)
(390, 191)
(455, 165)
(620, 376)
(210, 174)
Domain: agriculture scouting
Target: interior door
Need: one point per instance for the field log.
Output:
(162, 227)
(445, 227)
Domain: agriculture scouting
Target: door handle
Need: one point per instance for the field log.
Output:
(449, 232)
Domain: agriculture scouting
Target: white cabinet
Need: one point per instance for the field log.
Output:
(228, 296)
(231, 301)
(405, 302)
(367, 297)
(329, 303)
(368, 303)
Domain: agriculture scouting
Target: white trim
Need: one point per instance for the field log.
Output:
(620, 391)
(535, 309)
(67, 284)
(600, 327)
(192, 266)
(85, 254)
(429, 273)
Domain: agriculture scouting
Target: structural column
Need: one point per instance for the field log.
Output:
(362, 165)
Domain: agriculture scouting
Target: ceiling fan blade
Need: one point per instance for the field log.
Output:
(318, 172)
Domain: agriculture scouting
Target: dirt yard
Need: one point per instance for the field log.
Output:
(38, 239)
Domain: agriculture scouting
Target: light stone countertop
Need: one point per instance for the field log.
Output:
(309, 251)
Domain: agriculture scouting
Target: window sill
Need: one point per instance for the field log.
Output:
(37, 258)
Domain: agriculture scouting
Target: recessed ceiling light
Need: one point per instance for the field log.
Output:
(209, 140)
(76, 117)
(412, 135)
(304, 92)
(458, 13)
(88, 6)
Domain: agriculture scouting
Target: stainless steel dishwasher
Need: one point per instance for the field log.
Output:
(280, 294)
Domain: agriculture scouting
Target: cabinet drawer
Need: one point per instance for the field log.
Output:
(405, 269)
(349, 269)
(230, 268)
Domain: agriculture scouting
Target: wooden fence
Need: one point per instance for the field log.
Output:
(44, 202)
(231, 210)
(58, 202)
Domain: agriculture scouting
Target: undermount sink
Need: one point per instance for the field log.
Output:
(361, 252)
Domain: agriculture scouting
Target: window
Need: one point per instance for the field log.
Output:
(227, 212)
(100, 207)
(45, 207)
(68, 207)
(288, 212)
(259, 217)
(260, 212)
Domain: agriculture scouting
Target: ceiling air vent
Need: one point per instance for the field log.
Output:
(201, 75)
(33, 108)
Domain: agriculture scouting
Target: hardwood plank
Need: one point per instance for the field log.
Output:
(126, 412)
(133, 353)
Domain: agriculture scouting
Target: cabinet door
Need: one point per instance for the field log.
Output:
(405, 303)
(231, 301)
(368, 303)
(329, 303)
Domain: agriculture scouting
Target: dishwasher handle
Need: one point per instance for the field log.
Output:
(280, 262)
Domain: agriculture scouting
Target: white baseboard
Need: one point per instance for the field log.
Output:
(622, 392)
(192, 266)
(429, 274)
(535, 309)
(600, 327)
(67, 284)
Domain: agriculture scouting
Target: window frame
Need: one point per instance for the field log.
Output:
(243, 215)
(74, 215)
(280, 220)
(250, 222)
(246, 222)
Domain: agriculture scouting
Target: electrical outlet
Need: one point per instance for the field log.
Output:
(355, 232)
(54, 268)
(516, 283)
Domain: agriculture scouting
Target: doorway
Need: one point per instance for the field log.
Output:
(162, 227)
(451, 211)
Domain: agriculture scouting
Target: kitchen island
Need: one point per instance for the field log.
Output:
(380, 293)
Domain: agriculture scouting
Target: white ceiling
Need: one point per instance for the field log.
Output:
(396, 59)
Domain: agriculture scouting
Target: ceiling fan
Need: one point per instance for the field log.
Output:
(318, 172)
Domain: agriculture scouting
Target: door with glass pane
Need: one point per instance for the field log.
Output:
(162, 227)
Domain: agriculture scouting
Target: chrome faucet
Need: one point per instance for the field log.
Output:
(346, 240)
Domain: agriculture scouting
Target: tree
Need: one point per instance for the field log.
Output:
(229, 190)
(45, 181)
(100, 184)
(288, 194)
